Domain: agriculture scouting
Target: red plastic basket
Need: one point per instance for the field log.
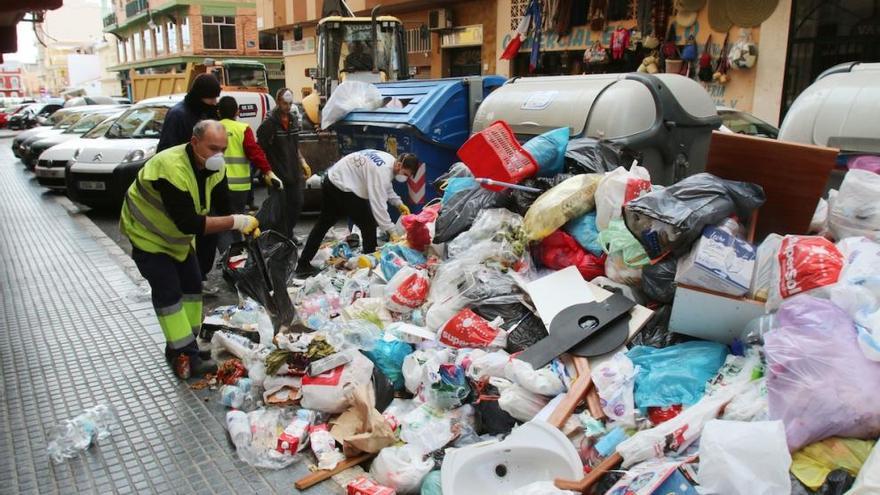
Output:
(494, 153)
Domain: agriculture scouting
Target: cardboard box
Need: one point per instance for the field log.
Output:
(719, 262)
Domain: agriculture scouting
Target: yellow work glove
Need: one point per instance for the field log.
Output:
(403, 209)
(246, 224)
(307, 170)
(394, 237)
(272, 180)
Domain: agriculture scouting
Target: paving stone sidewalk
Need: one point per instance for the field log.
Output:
(76, 330)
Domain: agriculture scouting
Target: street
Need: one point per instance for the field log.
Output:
(78, 331)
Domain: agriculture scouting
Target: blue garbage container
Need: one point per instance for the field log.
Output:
(429, 117)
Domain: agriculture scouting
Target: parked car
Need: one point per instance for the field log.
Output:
(54, 122)
(122, 100)
(101, 172)
(89, 100)
(52, 162)
(30, 116)
(9, 112)
(89, 120)
(74, 115)
(739, 122)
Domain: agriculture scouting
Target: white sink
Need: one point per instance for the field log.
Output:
(536, 451)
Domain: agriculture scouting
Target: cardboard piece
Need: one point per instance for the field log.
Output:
(362, 428)
(718, 261)
(557, 291)
(711, 315)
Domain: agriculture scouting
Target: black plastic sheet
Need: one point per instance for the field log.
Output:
(658, 281)
(458, 213)
(588, 155)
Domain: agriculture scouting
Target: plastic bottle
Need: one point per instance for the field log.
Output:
(71, 436)
(232, 396)
(239, 428)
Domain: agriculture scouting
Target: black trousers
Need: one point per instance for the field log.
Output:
(293, 192)
(237, 204)
(340, 204)
(169, 279)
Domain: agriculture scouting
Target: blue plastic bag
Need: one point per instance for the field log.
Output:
(548, 150)
(395, 256)
(388, 356)
(455, 185)
(585, 232)
(676, 374)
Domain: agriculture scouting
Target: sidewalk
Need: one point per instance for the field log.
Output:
(75, 331)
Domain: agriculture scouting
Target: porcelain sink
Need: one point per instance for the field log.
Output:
(536, 451)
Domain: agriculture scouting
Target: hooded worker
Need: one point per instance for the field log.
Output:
(360, 187)
(164, 209)
(278, 135)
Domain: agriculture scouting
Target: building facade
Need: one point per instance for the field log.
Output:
(71, 29)
(163, 36)
(11, 83)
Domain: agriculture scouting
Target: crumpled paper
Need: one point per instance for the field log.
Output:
(362, 428)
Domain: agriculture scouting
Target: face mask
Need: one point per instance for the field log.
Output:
(400, 178)
(214, 162)
(287, 96)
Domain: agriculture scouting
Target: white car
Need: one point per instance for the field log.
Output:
(52, 162)
(102, 171)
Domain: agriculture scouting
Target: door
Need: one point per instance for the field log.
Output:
(464, 61)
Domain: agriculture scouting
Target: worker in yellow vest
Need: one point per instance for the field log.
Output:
(242, 150)
(164, 209)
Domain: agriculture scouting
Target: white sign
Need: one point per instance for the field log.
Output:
(301, 47)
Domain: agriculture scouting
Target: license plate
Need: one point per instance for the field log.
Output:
(49, 172)
(90, 185)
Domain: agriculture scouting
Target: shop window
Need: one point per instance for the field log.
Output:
(271, 41)
(218, 32)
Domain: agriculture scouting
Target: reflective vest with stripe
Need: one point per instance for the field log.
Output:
(144, 219)
(238, 168)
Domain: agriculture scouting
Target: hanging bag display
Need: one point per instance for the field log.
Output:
(744, 53)
(596, 54)
(722, 65)
(705, 71)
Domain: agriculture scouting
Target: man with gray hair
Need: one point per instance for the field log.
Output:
(164, 209)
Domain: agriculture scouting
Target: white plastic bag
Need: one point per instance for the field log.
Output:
(857, 291)
(326, 393)
(427, 428)
(614, 380)
(855, 210)
(616, 189)
(868, 480)
(765, 262)
(543, 381)
(349, 96)
(521, 404)
(750, 405)
(744, 458)
(541, 488)
(415, 363)
(407, 290)
(484, 364)
(401, 468)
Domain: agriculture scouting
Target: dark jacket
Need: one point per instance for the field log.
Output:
(180, 120)
(282, 147)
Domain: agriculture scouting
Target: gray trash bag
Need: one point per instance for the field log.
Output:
(658, 280)
(459, 212)
(588, 155)
(669, 220)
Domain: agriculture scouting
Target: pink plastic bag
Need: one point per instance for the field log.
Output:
(418, 234)
(818, 381)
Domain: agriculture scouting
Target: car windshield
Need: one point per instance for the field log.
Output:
(141, 122)
(68, 120)
(248, 77)
(745, 123)
(86, 123)
(100, 129)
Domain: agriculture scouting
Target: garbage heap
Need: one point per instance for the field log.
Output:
(520, 341)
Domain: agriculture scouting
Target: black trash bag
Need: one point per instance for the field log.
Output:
(656, 332)
(524, 327)
(658, 281)
(838, 482)
(587, 155)
(263, 277)
(489, 416)
(272, 214)
(521, 201)
(383, 389)
(669, 220)
(458, 213)
(608, 480)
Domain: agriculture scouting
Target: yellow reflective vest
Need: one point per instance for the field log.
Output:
(238, 168)
(144, 219)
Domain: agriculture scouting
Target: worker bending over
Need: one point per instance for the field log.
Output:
(278, 135)
(359, 186)
(164, 209)
(241, 151)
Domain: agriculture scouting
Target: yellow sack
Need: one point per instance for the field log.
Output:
(569, 199)
(812, 463)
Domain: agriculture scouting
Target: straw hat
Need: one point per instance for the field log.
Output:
(691, 5)
(719, 21)
(750, 13)
(684, 17)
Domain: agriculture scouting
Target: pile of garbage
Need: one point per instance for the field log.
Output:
(520, 340)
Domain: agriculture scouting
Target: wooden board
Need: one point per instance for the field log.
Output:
(793, 177)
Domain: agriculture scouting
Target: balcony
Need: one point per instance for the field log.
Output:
(135, 7)
(109, 19)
